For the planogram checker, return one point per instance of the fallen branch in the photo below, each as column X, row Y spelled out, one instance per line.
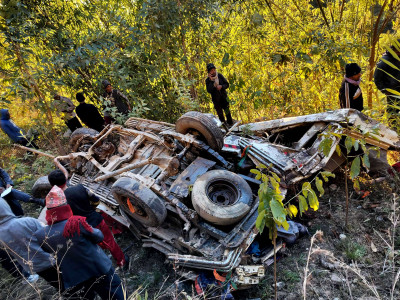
column 35, row 151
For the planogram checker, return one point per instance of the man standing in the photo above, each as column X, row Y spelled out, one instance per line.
column 66, row 107
column 216, row 85
column 14, row 196
column 387, row 77
column 89, row 114
column 350, row 94
column 13, row 131
column 117, row 100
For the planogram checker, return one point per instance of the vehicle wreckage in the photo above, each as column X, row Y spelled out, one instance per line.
column 181, row 189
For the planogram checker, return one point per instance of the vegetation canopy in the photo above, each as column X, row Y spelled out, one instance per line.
column 281, row 58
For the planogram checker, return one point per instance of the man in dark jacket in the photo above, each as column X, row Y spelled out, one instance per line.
column 83, row 203
column 388, row 78
column 14, row 196
column 116, row 99
column 350, row 94
column 84, row 266
column 16, row 239
column 13, row 131
column 216, row 85
column 89, row 114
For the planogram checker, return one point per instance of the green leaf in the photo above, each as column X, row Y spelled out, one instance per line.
column 356, row 185
column 348, row 143
column 390, row 64
column 276, row 177
column 319, row 185
column 278, row 211
column 260, row 222
column 275, row 184
column 355, row 168
column 261, row 206
column 313, row 200
column 356, row 144
column 326, row 146
column 257, row 172
column 306, row 188
column 325, row 175
column 338, row 150
column 394, row 92
column 293, row 210
column 394, row 54
column 303, row 206
column 261, row 166
column 366, row 161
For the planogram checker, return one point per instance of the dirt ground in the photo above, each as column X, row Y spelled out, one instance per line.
column 360, row 261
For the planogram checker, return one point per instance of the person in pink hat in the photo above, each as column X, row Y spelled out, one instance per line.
column 85, row 268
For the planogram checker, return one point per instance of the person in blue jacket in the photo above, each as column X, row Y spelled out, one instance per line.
column 15, row 195
column 13, row 131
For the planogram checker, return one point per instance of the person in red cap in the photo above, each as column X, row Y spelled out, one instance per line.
column 83, row 203
column 85, row 268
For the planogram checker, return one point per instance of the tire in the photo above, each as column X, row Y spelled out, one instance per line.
column 149, row 209
column 78, row 134
column 41, row 187
column 197, row 123
column 221, row 197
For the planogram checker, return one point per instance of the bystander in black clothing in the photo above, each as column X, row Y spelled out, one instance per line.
column 217, row 85
column 350, row 94
column 116, row 100
column 388, row 77
column 89, row 114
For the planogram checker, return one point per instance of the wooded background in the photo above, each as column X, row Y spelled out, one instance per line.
column 282, row 58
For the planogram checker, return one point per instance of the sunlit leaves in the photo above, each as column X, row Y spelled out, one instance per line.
column 272, row 211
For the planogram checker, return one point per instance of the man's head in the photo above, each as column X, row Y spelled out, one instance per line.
column 80, row 97
column 5, row 114
column 57, row 178
column 56, row 97
column 211, row 69
column 107, row 86
column 353, row 71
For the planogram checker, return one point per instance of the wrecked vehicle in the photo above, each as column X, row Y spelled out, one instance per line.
column 186, row 189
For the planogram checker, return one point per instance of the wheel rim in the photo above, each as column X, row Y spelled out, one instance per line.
column 222, row 192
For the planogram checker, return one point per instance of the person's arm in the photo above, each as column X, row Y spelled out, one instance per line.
column 96, row 236
column 6, row 178
column 70, row 105
column 223, row 82
column 210, row 85
column 124, row 98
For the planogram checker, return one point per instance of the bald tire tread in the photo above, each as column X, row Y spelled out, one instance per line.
column 140, row 197
column 216, row 213
column 194, row 120
column 80, row 132
column 41, row 187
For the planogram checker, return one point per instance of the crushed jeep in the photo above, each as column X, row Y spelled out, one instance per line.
column 186, row 189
